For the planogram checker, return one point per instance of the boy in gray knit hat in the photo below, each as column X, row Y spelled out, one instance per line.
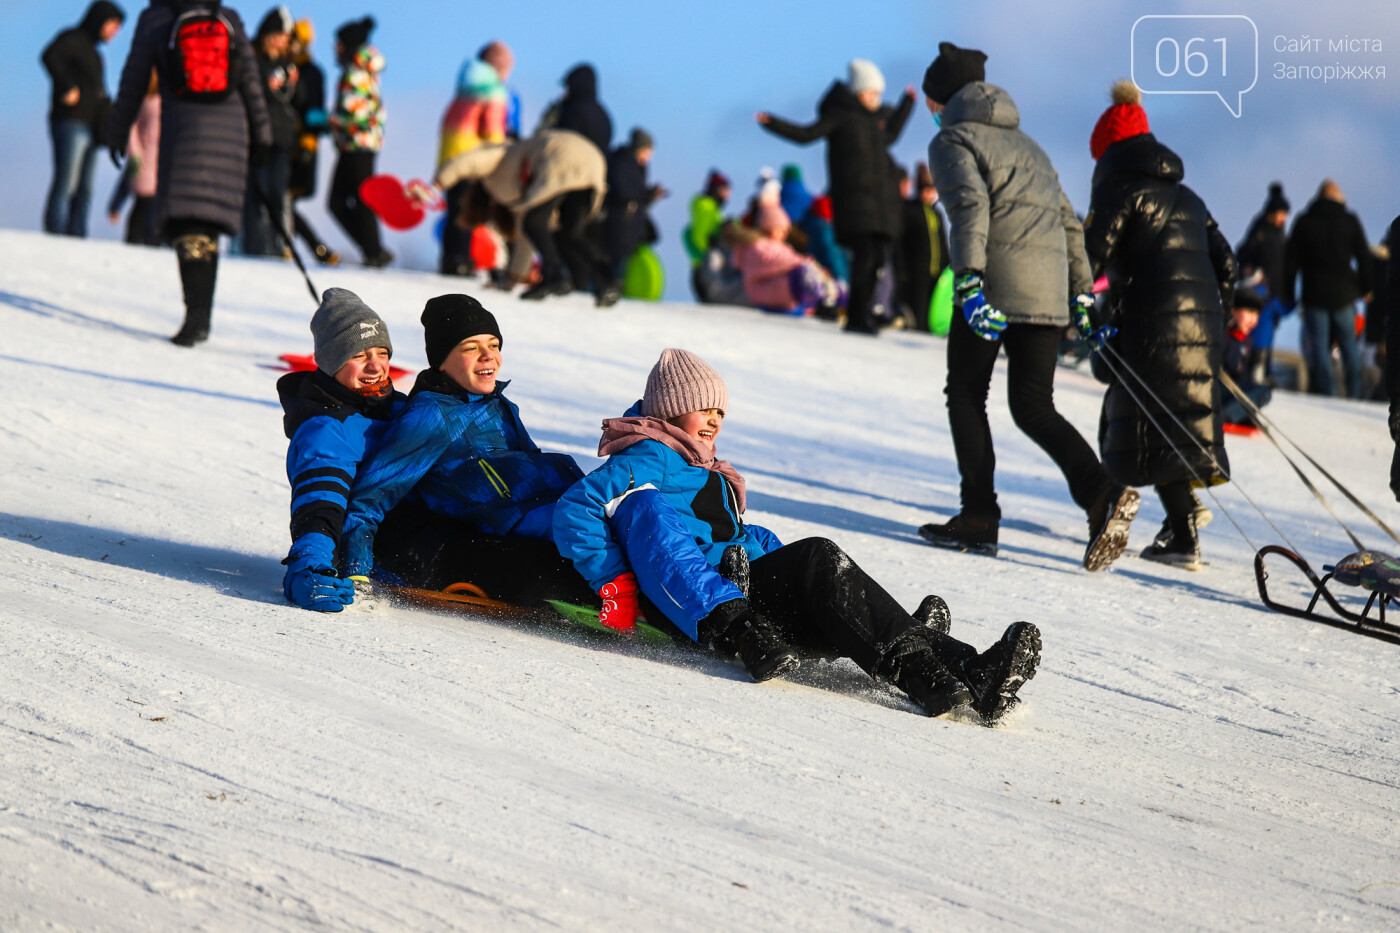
column 344, row 327
column 333, row 416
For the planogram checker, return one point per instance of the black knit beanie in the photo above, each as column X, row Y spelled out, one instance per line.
column 450, row 319
column 1276, row 201
column 353, row 35
column 952, row 70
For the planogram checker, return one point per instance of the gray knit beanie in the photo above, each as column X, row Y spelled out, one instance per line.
column 342, row 327
column 680, row 383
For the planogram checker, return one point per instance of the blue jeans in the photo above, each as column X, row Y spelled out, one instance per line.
column 1323, row 326
column 74, row 158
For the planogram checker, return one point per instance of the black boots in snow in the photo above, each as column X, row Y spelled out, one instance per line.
column 1109, row 517
column 733, row 628
column 910, row 663
column 964, row 532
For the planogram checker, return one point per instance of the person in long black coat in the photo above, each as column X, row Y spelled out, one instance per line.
column 922, row 247
column 580, row 111
column 859, row 131
column 204, row 151
column 626, row 203
column 1392, row 353
column 1168, row 268
column 77, row 115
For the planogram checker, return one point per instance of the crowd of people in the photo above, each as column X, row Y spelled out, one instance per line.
column 446, row 485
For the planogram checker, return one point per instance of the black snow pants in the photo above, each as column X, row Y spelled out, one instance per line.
column 1031, row 351
column 826, row 604
column 358, row 221
column 433, row 552
column 569, row 246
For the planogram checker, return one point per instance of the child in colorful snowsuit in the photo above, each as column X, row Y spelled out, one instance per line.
column 333, row 416
column 661, row 523
column 777, row 277
column 456, row 491
column 357, row 125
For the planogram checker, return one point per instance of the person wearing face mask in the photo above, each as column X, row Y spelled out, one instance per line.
column 1017, row 251
column 456, row 491
column 659, row 531
column 859, row 130
column 332, row 417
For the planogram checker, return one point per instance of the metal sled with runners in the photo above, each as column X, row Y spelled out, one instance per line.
column 1371, row 570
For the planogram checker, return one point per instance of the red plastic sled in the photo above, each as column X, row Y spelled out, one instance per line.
column 304, row 362
column 1243, row 430
column 389, row 199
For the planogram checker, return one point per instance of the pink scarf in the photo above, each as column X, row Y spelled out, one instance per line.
column 621, row 433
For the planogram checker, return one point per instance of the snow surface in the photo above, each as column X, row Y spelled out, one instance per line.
column 182, row 750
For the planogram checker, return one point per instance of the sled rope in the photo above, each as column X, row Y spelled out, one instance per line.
column 286, row 238
column 1269, row 428
column 1177, row 450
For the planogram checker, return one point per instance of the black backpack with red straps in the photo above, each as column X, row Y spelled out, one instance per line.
column 201, row 54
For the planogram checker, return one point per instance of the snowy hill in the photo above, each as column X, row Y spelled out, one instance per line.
column 180, row 749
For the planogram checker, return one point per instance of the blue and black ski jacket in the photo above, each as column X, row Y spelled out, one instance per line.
column 461, row 455
column 331, row 430
column 703, row 500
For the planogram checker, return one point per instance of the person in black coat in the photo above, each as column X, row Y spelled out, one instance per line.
column 204, row 149
column 923, row 247
column 310, row 104
column 1392, row 355
column 1328, row 247
column 626, row 203
column 264, row 200
column 580, row 111
column 1169, row 271
column 1263, row 256
column 859, row 131
column 77, row 115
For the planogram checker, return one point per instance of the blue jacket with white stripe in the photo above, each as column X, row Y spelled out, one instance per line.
column 331, row 430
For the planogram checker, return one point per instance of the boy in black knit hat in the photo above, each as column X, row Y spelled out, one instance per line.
column 457, row 491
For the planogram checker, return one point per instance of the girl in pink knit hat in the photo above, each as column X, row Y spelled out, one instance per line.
column 659, row 530
column 777, row 277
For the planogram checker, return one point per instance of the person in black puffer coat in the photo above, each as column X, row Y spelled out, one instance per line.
column 859, row 131
column 267, row 183
column 204, row 149
column 1169, row 270
column 580, row 111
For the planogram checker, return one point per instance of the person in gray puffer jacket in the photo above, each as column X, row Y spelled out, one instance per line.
column 1018, row 258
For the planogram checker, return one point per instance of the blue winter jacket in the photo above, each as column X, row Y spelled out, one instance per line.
column 461, row 455
column 331, row 429
column 703, row 500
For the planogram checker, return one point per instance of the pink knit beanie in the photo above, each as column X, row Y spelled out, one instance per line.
column 680, row 383
column 771, row 217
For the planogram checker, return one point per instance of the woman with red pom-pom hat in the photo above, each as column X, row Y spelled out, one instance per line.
column 1168, row 269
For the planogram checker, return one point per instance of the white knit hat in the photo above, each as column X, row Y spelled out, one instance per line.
column 680, row 383
column 864, row 76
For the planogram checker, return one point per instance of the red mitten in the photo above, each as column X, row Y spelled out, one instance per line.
column 620, row 610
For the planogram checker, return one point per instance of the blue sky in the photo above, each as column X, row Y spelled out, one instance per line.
column 695, row 73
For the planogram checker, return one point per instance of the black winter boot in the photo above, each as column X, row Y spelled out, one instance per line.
column 1177, row 545
column 1109, row 517
column 933, row 613
column 997, row 673
column 910, row 663
column 734, row 567
column 734, row 628
column 964, row 532
column 198, row 255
